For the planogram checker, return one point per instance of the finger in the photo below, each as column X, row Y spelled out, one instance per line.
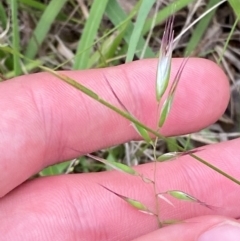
column 44, row 119
column 70, row 206
column 205, row 228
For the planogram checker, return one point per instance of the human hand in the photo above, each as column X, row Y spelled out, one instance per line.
column 44, row 120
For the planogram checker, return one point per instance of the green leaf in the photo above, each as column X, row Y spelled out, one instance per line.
column 55, row 169
column 235, row 4
column 116, row 15
column 138, row 27
column 108, row 48
column 89, row 33
column 3, row 16
column 43, row 27
column 34, row 4
column 165, row 13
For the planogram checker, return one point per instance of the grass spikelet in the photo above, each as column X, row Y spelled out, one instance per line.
column 165, row 58
column 180, row 195
column 168, row 102
column 116, row 165
column 132, row 202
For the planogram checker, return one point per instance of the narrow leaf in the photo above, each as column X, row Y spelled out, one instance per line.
column 165, row 13
column 43, row 27
column 3, row 16
column 235, row 4
column 89, row 33
column 116, row 15
column 137, row 31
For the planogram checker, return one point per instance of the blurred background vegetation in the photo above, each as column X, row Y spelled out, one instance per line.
column 82, row 34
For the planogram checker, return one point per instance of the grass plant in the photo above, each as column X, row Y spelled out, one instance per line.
column 105, row 33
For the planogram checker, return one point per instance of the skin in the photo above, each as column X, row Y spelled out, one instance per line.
column 43, row 121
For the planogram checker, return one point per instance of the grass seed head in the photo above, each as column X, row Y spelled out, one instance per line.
column 165, row 58
column 132, row 202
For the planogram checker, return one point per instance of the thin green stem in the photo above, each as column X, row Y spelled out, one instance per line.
column 154, row 183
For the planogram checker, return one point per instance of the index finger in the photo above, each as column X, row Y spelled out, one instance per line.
column 43, row 119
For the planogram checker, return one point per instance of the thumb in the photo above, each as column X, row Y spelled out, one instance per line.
column 224, row 231
column 204, row 228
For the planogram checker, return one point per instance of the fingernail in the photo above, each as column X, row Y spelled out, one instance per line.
column 222, row 232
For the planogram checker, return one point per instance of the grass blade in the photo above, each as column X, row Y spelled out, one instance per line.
column 235, row 4
column 43, row 27
column 89, row 33
column 116, row 14
column 55, row 169
column 34, row 4
column 137, row 31
column 3, row 16
column 15, row 37
column 200, row 29
column 165, row 13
